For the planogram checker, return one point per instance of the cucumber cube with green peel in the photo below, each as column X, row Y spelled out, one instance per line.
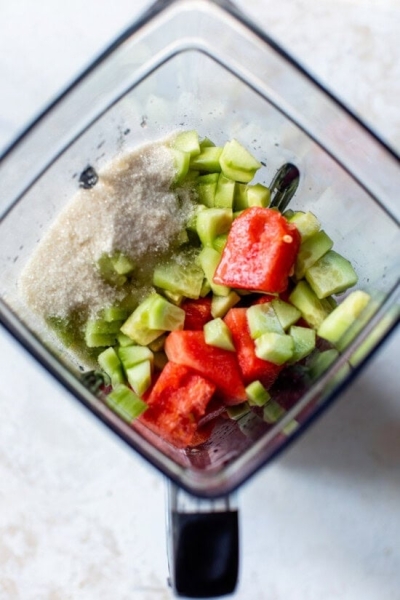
column 99, row 340
column 304, row 340
column 311, row 250
column 321, row 362
column 132, row 355
column 139, row 377
column 313, row 310
column 205, row 288
column 306, row 222
column 217, row 333
column 123, row 401
column 207, row 160
column 331, row 274
column 256, row 393
column 272, row 412
column 137, row 325
column 238, row 411
column 181, row 161
column 110, row 363
column 213, row 222
column 174, row 297
column 123, row 340
column 206, row 143
column 286, row 313
column 209, row 259
column 187, row 141
column 262, row 318
column 192, row 220
column 206, row 186
column 343, row 316
column 274, row 347
column 158, row 344
column 164, row 315
column 101, row 326
column 115, row 313
column 225, row 192
column 184, row 277
column 219, row 242
column 240, row 197
column 237, row 163
column 221, row 304
column 258, row 195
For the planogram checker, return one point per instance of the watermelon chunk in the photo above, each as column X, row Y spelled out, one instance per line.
column 198, row 313
column 252, row 367
column 260, row 252
column 176, row 403
column 220, row 366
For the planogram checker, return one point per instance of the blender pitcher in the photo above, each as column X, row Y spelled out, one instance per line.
column 200, row 64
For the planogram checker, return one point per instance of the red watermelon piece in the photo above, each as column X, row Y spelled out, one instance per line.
column 198, row 313
column 220, row 366
column 251, row 366
column 260, row 251
column 176, row 403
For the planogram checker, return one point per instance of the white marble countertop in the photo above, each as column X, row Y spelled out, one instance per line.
column 81, row 517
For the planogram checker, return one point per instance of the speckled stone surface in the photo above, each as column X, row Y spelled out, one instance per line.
column 82, row 517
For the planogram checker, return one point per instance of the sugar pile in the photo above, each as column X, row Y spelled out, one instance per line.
column 131, row 209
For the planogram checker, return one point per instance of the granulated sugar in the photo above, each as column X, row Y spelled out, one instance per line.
column 131, row 209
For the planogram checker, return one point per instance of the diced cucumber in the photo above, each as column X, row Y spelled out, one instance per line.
column 122, row 264
column 262, row 318
column 205, row 288
column 213, row 222
column 174, row 297
column 343, row 316
column 217, row 333
column 99, row 340
column 209, row 259
column 206, row 186
column 238, row 411
column 219, row 242
column 258, row 195
column 207, row 160
column 158, row 344
column 304, row 340
column 291, row 427
column 256, row 393
column 123, row 340
column 125, row 403
column 105, row 266
column 306, row 222
column 221, row 304
column 313, row 310
column 273, row 412
column 274, row 347
column 192, row 221
column 137, row 325
column 225, row 192
column 181, row 162
column 139, row 377
column 102, row 326
column 312, row 249
column 286, row 313
column 321, row 362
column 164, row 315
column 110, row 363
column 237, row 163
column 331, row 274
column 240, row 197
column 132, row 355
column 115, row 313
column 184, row 277
column 206, row 143
column 187, row 141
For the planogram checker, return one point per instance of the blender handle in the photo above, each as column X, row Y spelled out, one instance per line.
column 203, row 544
